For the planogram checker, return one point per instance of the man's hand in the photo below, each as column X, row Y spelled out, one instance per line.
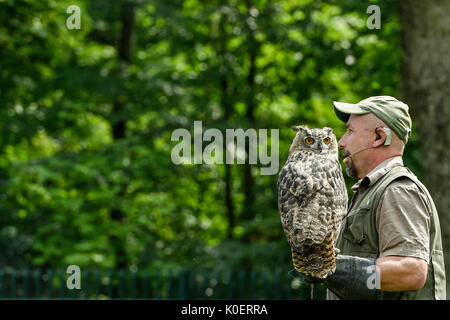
column 355, row 278
column 352, row 278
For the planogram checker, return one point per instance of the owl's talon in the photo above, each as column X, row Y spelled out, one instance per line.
column 336, row 251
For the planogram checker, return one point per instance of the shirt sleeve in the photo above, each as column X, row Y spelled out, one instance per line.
column 403, row 221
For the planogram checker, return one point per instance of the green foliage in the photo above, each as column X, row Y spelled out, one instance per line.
column 75, row 192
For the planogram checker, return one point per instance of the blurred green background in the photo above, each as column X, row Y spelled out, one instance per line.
column 86, row 175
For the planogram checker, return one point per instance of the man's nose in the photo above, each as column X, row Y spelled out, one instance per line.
column 341, row 142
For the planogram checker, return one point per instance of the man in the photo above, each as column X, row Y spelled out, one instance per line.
column 390, row 240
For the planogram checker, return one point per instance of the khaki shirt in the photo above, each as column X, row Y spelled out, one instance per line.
column 402, row 218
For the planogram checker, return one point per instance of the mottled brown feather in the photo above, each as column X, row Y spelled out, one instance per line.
column 312, row 200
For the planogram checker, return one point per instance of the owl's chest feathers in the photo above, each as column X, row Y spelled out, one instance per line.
column 317, row 171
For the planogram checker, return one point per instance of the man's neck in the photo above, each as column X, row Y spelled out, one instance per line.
column 374, row 161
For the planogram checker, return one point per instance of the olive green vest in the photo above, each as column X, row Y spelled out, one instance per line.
column 359, row 237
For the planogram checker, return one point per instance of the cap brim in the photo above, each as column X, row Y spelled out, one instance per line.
column 343, row 110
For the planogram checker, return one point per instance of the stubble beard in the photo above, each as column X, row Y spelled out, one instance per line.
column 350, row 169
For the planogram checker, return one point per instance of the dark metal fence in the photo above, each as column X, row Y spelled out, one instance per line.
column 146, row 284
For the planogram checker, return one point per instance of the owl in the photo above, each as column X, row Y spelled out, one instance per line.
column 312, row 200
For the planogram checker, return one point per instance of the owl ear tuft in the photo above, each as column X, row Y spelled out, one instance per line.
column 299, row 128
column 329, row 130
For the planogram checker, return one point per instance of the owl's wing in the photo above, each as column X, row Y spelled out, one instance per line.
column 335, row 179
column 296, row 179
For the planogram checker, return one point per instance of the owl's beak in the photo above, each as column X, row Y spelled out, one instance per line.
column 319, row 145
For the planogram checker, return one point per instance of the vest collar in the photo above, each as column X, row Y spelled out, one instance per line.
column 375, row 175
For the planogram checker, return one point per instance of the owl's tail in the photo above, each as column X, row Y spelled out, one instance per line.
column 316, row 260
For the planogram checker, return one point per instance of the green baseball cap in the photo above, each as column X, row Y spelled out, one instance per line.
column 391, row 111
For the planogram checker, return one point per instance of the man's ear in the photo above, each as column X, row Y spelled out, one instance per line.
column 380, row 137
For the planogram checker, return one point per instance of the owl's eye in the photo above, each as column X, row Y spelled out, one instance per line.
column 309, row 140
column 327, row 140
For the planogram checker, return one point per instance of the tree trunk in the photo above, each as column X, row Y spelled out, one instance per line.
column 227, row 111
column 125, row 54
column 248, row 181
column 426, row 89
column 119, row 121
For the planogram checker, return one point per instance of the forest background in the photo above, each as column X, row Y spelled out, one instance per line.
column 87, row 114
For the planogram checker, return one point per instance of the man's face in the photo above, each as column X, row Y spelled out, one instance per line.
column 355, row 139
